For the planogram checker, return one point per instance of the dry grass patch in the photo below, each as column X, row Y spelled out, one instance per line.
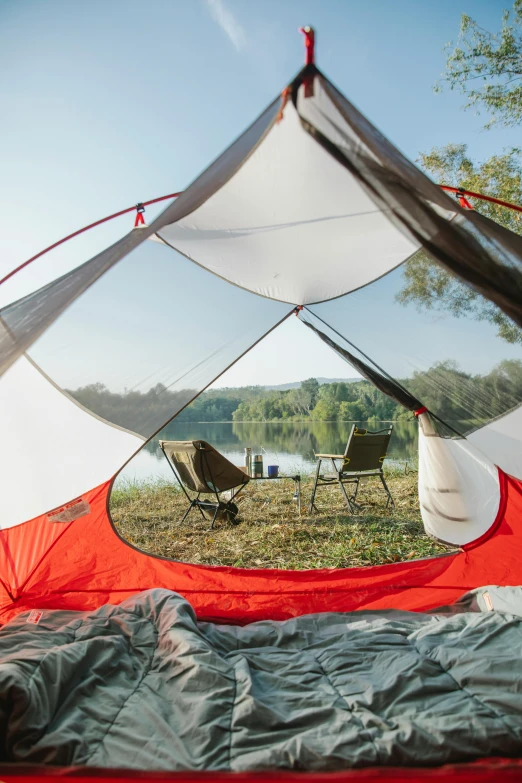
column 271, row 533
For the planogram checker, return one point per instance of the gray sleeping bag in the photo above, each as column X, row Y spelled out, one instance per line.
column 144, row 685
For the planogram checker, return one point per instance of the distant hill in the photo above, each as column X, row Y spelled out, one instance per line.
column 284, row 386
column 321, row 381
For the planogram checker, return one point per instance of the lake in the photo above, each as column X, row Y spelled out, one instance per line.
column 291, row 445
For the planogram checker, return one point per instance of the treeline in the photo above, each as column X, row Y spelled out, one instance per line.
column 454, row 395
column 144, row 412
column 140, row 412
column 451, row 393
column 339, row 401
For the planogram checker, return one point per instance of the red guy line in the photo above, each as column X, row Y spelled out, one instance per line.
column 82, row 230
column 498, row 201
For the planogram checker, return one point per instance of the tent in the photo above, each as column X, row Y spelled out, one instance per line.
column 310, row 213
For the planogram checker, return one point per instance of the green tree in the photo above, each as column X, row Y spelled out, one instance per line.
column 350, row 411
column 310, row 387
column 298, row 402
column 499, row 176
column 487, row 68
column 502, row 386
column 242, row 412
column 326, row 410
column 427, row 285
column 446, row 390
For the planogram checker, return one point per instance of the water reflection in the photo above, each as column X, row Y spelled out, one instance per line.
column 291, row 445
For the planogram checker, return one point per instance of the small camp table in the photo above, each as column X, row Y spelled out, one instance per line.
column 297, row 485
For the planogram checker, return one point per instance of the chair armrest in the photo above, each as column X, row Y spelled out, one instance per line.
column 330, row 456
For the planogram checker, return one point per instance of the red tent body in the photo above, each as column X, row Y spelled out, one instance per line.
column 84, row 564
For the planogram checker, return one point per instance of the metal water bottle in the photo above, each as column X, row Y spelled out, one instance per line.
column 248, row 461
column 257, row 466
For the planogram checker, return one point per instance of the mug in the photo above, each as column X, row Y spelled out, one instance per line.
column 272, row 471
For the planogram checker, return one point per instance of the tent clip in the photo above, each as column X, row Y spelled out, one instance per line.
column 463, row 201
column 140, row 220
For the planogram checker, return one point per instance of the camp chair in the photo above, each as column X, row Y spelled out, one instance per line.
column 201, row 469
column 364, row 456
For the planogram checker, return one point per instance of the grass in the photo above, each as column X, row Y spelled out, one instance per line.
column 271, row 533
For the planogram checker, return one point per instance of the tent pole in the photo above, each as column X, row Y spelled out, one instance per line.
column 447, row 188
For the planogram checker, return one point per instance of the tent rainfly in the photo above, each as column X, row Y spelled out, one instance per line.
column 312, row 213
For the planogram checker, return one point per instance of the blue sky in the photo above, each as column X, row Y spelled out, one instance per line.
column 108, row 102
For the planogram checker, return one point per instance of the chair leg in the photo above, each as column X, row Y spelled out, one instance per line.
column 214, row 517
column 195, row 502
column 354, row 499
column 314, row 488
column 343, row 490
column 187, row 512
column 390, row 499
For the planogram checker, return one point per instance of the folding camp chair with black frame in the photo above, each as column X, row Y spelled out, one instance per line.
column 200, row 468
column 363, row 457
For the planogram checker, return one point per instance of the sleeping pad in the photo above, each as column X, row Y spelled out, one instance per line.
column 144, row 685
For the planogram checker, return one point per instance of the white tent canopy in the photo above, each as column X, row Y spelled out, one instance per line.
column 290, row 211
column 310, row 204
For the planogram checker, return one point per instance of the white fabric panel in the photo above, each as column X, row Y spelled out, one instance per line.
column 501, row 442
column 459, row 490
column 292, row 224
column 53, row 450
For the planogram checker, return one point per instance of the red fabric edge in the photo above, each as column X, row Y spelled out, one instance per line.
column 90, row 565
column 483, row 771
